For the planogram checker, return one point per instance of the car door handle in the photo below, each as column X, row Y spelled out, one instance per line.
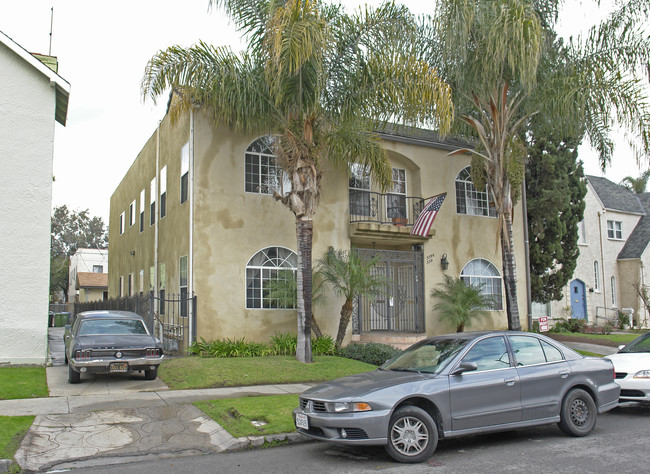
column 510, row 382
column 564, row 374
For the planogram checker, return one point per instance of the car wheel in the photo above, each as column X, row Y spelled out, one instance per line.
column 578, row 414
column 73, row 376
column 412, row 435
column 151, row 374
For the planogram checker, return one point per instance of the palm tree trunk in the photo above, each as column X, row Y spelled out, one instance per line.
column 510, row 273
column 304, row 234
column 315, row 328
column 346, row 314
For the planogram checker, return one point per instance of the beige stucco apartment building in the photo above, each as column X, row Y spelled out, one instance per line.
column 193, row 215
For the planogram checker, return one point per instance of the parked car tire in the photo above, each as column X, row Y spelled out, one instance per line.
column 73, row 375
column 412, row 435
column 151, row 374
column 578, row 413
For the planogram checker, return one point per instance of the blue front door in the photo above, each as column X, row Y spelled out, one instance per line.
column 578, row 301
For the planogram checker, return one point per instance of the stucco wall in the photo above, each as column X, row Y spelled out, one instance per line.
column 27, row 104
column 231, row 225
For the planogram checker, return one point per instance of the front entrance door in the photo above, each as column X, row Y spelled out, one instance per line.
column 401, row 308
column 578, row 300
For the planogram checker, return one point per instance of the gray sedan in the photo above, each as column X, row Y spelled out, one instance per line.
column 110, row 342
column 460, row 384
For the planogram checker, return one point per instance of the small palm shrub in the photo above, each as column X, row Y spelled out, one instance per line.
column 461, row 304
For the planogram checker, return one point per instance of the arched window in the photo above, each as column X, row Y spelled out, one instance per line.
column 482, row 274
column 263, row 173
column 471, row 201
column 269, row 264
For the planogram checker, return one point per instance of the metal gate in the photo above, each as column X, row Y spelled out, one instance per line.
column 172, row 320
column 401, row 308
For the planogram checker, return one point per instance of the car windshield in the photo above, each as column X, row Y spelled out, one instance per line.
column 430, row 356
column 118, row 327
column 640, row 344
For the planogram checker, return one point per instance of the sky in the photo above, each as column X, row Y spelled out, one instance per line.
column 103, row 48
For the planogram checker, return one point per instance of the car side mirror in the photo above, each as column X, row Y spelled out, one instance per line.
column 465, row 367
column 621, row 347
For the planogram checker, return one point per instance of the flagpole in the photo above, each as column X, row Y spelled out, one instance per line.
column 435, row 196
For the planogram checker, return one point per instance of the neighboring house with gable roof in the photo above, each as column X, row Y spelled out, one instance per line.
column 88, row 275
column 613, row 261
column 194, row 215
column 32, row 98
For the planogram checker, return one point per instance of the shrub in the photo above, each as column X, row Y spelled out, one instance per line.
column 284, row 343
column 371, row 352
column 622, row 320
column 571, row 325
column 323, row 345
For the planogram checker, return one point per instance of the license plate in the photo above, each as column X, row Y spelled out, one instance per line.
column 302, row 421
column 119, row 367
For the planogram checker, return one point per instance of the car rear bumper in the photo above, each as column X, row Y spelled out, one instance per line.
column 103, row 365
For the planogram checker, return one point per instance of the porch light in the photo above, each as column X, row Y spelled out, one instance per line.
column 444, row 263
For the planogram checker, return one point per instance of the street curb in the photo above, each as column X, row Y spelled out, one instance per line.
column 252, row 442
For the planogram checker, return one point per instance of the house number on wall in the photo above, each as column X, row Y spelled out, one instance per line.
column 430, row 258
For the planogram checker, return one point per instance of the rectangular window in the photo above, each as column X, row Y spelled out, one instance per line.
column 614, row 291
column 359, row 191
column 582, row 235
column 615, row 230
column 98, row 268
column 161, row 302
column 596, row 279
column 183, row 285
column 152, row 193
column 396, row 200
column 185, row 171
column 121, row 223
column 161, row 292
column 163, row 192
column 130, row 285
column 121, row 287
column 142, row 211
column 152, row 277
column 264, row 175
column 141, row 282
column 132, row 213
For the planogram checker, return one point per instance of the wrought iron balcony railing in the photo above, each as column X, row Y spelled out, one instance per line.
column 367, row 206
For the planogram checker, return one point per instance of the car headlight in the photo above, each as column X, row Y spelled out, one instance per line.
column 642, row 374
column 347, row 407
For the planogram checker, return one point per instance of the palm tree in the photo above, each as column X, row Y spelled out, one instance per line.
column 636, row 185
column 497, row 58
column 320, row 80
column 461, row 304
column 350, row 276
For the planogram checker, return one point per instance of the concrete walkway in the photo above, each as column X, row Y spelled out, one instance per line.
column 111, row 420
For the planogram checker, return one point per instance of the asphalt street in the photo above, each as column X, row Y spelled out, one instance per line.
column 618, row 444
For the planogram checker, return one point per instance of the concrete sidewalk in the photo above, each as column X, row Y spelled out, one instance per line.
column 92, row 430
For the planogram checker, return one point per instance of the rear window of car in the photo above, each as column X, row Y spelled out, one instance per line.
column 117, row 327
column 531, row 351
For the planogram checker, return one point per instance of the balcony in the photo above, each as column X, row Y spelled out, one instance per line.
column 376, row 216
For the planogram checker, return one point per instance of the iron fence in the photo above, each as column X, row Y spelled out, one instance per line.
column 367, row 206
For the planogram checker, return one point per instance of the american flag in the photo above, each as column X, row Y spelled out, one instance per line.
column 428, row 214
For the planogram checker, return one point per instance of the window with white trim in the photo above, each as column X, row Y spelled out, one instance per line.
column 615, row 230
column 182, row 264
column 185, row 172
column 359, row 190
column 142, row 200
column 271, row 263
column 132, row 213
column 121, row 223
column 163, row 192
column 596, row 278
column 141, row 282
column 396, row 200
column 121, row 287
column 263, row 173
column 471, row 201
column 480, row 273
column 152, row 209
column 613, row 283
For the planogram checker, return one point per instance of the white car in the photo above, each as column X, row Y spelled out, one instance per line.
column 632, row 367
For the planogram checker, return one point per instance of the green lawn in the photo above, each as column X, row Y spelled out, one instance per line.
column 22, row 382
column 271, row 413
column 12, row 431
column 198, row 372
column 607, row 339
